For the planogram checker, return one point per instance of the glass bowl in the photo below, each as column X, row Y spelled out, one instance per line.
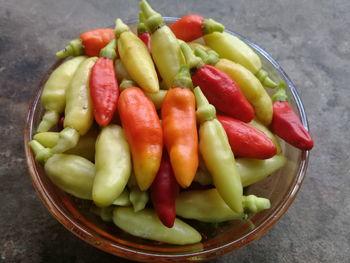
column 74, row 214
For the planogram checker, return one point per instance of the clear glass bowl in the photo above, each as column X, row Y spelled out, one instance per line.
column 281, row 188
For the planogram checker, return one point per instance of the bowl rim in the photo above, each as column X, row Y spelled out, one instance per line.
column 104, row 244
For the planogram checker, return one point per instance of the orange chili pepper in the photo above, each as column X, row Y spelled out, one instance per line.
column 143, row 132
column 180, row 129
column 95, row 40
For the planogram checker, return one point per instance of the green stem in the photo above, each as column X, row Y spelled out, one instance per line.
column 141, row 28
column 109, row 51
column 68, row 139
column 191, row 60
column 153, row 20
column 49, row 120
column 281, row 94
column 41, row 153
column 262, row 75
column 74, row 48
column 120, row 27
column 205, row 111
column 183, row 78
column 210, row 25
column 209, row 57
column 254, row 204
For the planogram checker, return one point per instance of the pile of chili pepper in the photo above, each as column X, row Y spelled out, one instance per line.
column 149, row 116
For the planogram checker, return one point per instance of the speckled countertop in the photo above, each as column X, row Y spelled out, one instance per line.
column 310, row 40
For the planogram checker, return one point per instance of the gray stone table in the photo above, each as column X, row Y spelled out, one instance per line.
column 311, row 41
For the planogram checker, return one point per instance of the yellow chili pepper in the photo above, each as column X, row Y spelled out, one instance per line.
column 136, row 58
column 166, row 50
column 53, row 97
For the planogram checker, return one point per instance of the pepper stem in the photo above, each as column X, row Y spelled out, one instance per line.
column 262, row 75
column 126, row 83
column 210, row 25
column 153, row 20
column 209, row 57
column 141, row 28
column 183, row 78
column 281, row 94
column 49, row 119
column 191, row 60
column 120, row 27
column 254, row 204
column 74, row 48
column 205, row 111
column 68, row 139
column 41, row 153
column 109, row 51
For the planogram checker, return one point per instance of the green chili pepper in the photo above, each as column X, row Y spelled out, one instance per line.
column 146, row 224
column 208, row 206
column 123, row 199
column 254, row 170
column 78, row 113
column 138, row 198
column 113, row 165
column 106, row 213
column 166, row 50
column 71, row 173
column 217, row 154
column 121, row 71
column 84, row 148
column 53, row 97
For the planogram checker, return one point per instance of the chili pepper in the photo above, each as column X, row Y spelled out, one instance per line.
column 165, row 47
column 247, row 141
column 231, row 47
column 208, row 206
column 191, row 27
column 89, row 43
column 136, row 58
column 84, row 148
column 143, row 132
column 254, row 170
column 53, row 97
column 195, row 45
column 104, row 90
column 142, row 32
column 78, row 112
column 164, row 191
column 217, row 154
column 123, row 199
column 71, row 173
column 113, row 165
column 146, row 224
column 286, row 124
column 218, row 87
column 138, row 198
column 106, row 213
column 247, row 82
column 256, row 124
column 180, row 128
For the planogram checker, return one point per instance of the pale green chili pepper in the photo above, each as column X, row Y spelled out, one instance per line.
column 106, row 213
column 71, row 173
column 84, row 148
column 123, row 199
column 53, row 97
column 166, row 50
column 113, row 165
column 78, row 112
column 138, row 198
column 146, row 224
column 217, row 154
column 254, row 170
column 208, row 206
column 121, row 71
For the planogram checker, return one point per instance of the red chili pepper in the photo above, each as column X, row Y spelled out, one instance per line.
column 164, row 191
column 247, row 141
column 286, row 124
column 104, row 89
column 218, row 87
column 191, row 27
column 95, row 40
